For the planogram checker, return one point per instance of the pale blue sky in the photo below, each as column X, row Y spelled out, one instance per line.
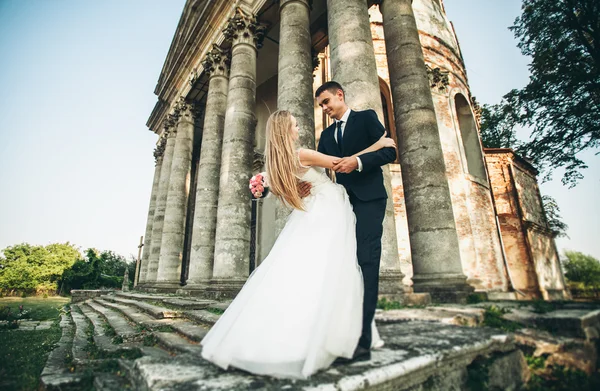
column 76, row 88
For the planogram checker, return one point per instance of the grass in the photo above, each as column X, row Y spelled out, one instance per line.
column 216, row 311
column 493, row 317
column 39, row 308
column 23, row 354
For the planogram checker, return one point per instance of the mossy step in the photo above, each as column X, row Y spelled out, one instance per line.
column 118, row 323
column 156, row 311
column 176, row 343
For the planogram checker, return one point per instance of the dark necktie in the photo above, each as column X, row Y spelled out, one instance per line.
column 339, row 136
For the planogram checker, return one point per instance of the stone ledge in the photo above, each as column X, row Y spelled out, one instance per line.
column 416, row 353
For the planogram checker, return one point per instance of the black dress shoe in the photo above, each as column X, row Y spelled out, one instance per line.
column 360, row 354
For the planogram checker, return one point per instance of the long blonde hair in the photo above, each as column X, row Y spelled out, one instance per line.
column 281, row 159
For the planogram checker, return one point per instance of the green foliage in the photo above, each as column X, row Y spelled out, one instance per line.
column 535, row 363
column 33, row 269
column 97, row 270
column 216, row 311
column 558, row 378
column 493, row 317
column 498, row 127
column 475, row 298
column 582, row 268
column 386, row 305
column 543, row 307
column 561, row 102
column 553, row 217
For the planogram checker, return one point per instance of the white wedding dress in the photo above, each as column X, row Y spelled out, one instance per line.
column 302, row 307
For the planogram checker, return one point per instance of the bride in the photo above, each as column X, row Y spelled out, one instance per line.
column 302, row 307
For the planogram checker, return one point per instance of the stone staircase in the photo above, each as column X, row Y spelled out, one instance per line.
column 123, row 340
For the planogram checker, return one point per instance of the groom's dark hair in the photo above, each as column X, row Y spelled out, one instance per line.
column 331, row 86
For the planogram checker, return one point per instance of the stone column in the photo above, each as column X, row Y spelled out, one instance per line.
column 171, row 249
column 232, row 239
column 353, row 65
column 216, row 66
column 433, row 238
column 161, row 200
column 294, row 79
column 158, row 156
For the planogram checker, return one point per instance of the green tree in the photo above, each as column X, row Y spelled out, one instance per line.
column 561, row 102
column 97, row 270
column 30, row 268
column 582, row 268
column 552, row 211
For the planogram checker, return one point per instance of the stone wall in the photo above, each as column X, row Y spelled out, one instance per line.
column 528, row 243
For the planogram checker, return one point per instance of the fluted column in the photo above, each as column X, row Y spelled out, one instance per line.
column 161, row 200
column 294, row 79
column 202, row 252
column 171, row 248
column 353, row 65
column 232, row 239
column 432, row 229
column 158, row 156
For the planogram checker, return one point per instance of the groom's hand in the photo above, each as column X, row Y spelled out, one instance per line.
column 345, row 165
column 304, row 189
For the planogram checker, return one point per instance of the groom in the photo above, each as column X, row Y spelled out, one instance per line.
column 352, row 132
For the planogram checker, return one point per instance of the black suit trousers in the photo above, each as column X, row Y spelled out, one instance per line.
column 369, row 228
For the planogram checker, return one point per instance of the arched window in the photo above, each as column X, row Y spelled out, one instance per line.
column 470, row 137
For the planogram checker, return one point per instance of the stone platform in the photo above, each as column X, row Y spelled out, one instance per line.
column 151, row 342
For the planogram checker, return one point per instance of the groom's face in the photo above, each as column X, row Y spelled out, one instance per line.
column 332, row 104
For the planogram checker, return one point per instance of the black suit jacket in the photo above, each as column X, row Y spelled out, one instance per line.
column 362, row 130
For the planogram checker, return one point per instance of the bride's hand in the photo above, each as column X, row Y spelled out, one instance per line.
column 386, row 142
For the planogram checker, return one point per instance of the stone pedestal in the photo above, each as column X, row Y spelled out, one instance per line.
column 207, row 189
column 158, row 155
column 232, row 239
column 171, row 250
column 433, row 239
column 161, row 202
column 353, row 65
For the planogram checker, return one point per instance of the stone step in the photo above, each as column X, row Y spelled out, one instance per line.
column 100, row 325
column 573, row 323
column 182, row 326
column 183, row 303
column 417, row 356
column 56, row 374
column 202, row 316
column 80, row 340
column 175, row 343
column 142, row 296
column 156, row 311
column 189, row 304
column 118, row 323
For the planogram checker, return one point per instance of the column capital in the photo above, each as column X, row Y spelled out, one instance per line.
column 217, row 62
column 160, row 149
column 244, row 28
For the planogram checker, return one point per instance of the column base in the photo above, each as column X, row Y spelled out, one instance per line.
column 196, row 289
column 163, row 287
column 391, row 286
column 443, row 287
column 224, row 289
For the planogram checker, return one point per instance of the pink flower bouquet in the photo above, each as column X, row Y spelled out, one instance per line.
column 258, row 186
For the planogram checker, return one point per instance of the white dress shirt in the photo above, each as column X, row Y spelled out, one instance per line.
column 344, row 120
